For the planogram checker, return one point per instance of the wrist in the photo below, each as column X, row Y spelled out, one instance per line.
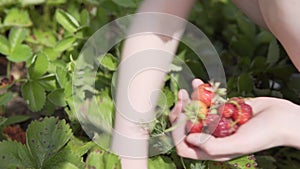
column 291, row 134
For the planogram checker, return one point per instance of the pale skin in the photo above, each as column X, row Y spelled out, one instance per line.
column 141, row 86
column 278, row 16
column 276, row 121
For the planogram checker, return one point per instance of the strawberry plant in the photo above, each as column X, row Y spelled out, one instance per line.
column 40, row 44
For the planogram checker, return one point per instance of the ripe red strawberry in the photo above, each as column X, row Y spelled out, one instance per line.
column 237, row 100
column 211, row 118
column 204, row 94
column 227, row 110
column 225, row 128
column 245, row 114
column 211, row 122
column 194, row 127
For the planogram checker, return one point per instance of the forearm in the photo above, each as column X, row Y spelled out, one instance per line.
column 282, row 18
column 146, row 57
column 252, row 10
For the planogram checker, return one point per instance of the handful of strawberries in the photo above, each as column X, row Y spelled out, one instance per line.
column 210, row 113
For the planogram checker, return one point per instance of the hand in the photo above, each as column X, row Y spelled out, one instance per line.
column 275, row 123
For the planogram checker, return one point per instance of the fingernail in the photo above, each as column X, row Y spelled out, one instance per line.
column 196, row 82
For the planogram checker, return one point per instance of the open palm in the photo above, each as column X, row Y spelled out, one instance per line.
column 274, row 124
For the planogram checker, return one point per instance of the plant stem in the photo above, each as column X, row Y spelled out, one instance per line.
column 8, row 68
column 175, row 126
column 46, row 13
column 182, row 162
column 20, row 80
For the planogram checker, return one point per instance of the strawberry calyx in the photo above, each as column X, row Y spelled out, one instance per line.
column 195, row 111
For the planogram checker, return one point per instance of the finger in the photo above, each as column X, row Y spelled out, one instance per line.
column 177, row 109
column 195, row 95
column 179, row 133
column 196, row 83
column 227, row 146
column 235, row 144
column 183, row 97
column 192, row 152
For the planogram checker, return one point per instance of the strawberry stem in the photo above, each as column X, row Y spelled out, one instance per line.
column 175, row 126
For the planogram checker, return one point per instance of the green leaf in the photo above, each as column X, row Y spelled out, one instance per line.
column 16, row 119
column 2, row 120
column 57, row 97
column 99, row 159
column 48, row 109
column 5, row 98
column 277, row 94
column 262, row 92
column 103, row 112
column 220, row 165
column 4, row 45
column 198, row 165
column 51, row 53
column 39, row 67
column 66, row 156
column 293, row 84
column 66, row 20
column 161, row 162
column 243, row 46
column 47, row 84
column 17, row 17
column 109, row 62
column 264, row 37
column 246, row 26
column 64, row 44
column 45, row 138
column 55, row 2
column 245, row 83
column 64, row 165
column 7, row 2
column 266, row 162
column 21, row 53
column 31, row 2
column 258, row 64
column 34, row 94
column 125, row 3
column 283, row 72
column 166, row 98
column 273, row 52
column 247, row 161
column 85, row 18
column 62, row 77
column 80, row 147
column 16, row 37
column 14, row 155
column 45, row 37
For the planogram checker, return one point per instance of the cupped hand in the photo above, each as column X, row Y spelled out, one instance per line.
column 275, row 123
